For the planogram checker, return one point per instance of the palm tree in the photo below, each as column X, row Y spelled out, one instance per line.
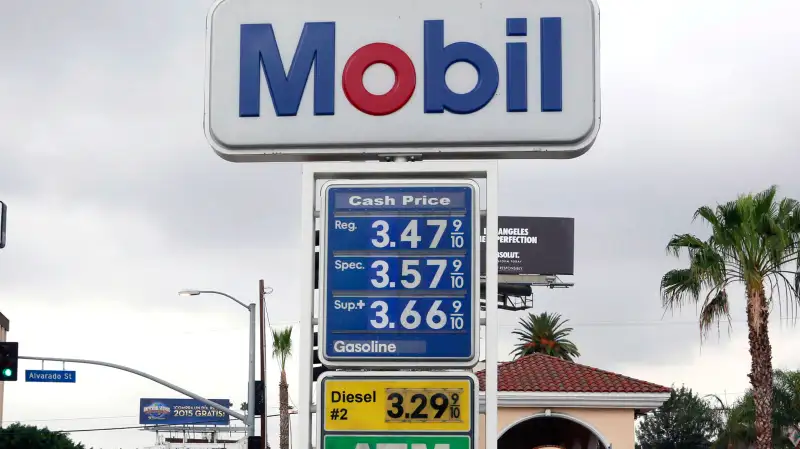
column 739, row 430
column 753, row 240
column 281, row 350
column 544, row 334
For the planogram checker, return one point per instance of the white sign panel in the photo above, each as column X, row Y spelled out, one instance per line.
column 352, row 79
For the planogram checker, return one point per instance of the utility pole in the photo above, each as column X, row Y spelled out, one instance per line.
column 261, row 294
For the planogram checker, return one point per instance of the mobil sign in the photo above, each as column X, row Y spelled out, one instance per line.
column 356, row 79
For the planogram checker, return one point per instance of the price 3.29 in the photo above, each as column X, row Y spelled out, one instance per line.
column 423, row 405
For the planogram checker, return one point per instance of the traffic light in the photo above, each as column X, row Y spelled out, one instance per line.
column 254, row 442
column 260, row 398
column 9, row 359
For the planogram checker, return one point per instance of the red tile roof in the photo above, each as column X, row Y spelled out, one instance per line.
column 544, row 373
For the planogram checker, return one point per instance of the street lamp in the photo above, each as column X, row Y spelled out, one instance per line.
column 251, row 384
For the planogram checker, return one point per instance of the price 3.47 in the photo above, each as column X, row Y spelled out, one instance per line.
column 412, row 237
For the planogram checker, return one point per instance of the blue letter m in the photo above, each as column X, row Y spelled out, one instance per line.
column 260, row 49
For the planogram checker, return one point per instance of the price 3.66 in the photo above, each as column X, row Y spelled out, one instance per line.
column 435, row 317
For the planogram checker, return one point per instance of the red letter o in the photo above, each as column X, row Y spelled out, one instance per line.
column 405, row 79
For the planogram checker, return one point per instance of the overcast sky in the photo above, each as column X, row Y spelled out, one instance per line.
column 116, row 201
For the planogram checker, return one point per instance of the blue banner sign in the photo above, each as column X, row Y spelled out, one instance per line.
column 52, row 376
column 182, row 412
column 398, row 278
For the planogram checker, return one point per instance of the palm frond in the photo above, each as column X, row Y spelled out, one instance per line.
column 708, row 214
column 680, row 242
column 679, row 287
column 282, row 345
column 764, row 201
column 715, row 309
column 544, row 333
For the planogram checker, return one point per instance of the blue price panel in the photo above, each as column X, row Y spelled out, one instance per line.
column 399, row 273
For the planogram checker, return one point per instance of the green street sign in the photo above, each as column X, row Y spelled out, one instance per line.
column 409, row 441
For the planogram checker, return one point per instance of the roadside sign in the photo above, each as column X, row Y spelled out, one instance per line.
column 466, row 79
column 397, row 442
column 398, row 404
column 397, row 407
column 398, row 273
column 51, row 376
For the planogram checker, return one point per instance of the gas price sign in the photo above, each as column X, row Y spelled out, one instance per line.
column 442, row 403
column 399, row 279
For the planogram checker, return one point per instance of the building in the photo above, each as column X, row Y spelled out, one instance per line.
column 544, row 400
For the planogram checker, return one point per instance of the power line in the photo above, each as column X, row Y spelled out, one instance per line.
column 101, row 429
column 73, row 419
column 266, row 311
column 86, row 418
column 648, row 322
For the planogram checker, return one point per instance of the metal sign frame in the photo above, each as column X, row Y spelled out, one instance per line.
column 311, row 174
column 379, row 362
column 473, row 432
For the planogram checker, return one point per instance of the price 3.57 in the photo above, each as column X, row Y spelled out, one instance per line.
column 411, row 273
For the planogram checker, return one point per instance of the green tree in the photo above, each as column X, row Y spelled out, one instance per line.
column 684, row 421
column 739, row 428
column 754, row 241
column 281, row 351
column 544, row 334
column 17, row 436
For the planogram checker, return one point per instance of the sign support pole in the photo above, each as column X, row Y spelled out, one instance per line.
column 311, row 173
column 308, row 206
column 492, row 322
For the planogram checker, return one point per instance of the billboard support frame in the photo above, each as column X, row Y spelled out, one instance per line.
column 400, row 168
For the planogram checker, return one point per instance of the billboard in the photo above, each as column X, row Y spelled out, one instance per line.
column 532, row 245
column 161, row 411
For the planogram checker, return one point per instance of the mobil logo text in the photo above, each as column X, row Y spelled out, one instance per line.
column 425, row 70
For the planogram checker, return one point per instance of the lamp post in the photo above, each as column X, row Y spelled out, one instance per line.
column 251, row 384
